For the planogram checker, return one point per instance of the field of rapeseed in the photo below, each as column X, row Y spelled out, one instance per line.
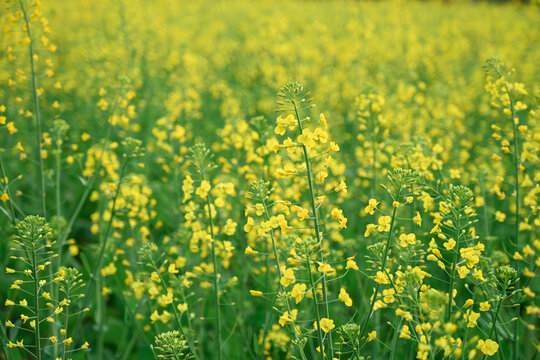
column 269, row 180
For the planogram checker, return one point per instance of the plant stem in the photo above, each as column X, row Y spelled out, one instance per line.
column 317, row 232
column 516, row 228
column 314, row 294
column 501, row 298
column 8, row 192
column 453, row 270
column 177, row 318
column 274, row 248
column 66, row 322
column 395, row 339
column 216, row 274
column 36, row 108
column 37, row 333
column 109, row 226
column 383, row 267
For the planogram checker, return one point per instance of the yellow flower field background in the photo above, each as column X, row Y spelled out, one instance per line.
column 269, row 180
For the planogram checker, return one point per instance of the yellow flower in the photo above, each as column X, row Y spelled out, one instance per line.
column 67, row 341
column 405, row 333
column 372, row 205
column 303, row 214
column 463, row 271
column 326, row 324
column 417, row 219
column 202, row 190
column 334, row 146
column 471, row 317
column 298, row 292
column 370, row 229
column 407, row 239
column 372, row 336
column 488, row 347
column 381, row 278
column 324, row 267
column 344, row 297
column 250, row 251
column 500, row 216
column 288, row 277
column 255, row 293
column 450, row 244
column 351, row 264
column 384, row 223
column 287, row 318
column 484, row 306
column 341, row 187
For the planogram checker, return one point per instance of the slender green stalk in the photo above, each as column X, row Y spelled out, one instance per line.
column 395, row 339
column 314, row 294
column 177, row 318
column 383, row 266
column 37, row 333
column 108, row 230
column 37, row 116
column 278, row 265
column 216, row 274
column 493, row 325
column 485, row 213
column 453, row 271
column 317, row 231
column 8, row 191
column 66, row 323
column 374, row 155
column 4, row 340
column 58, row 225
column 516, row 227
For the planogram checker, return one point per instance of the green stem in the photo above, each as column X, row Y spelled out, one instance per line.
column 374, row 155
column 495, row 317
column 314, row 294
column 274, row 248
column 216, row 274
column 4, row 340
column 37, row 333
column 317, row 232
column 66, row 322
column 453, row 270
column 8, row 192
column 177, row 318
column 58, row 227
column 395, row 339
column 383, row 268
column 516, row 228
column 109, row 226
column 36, row 108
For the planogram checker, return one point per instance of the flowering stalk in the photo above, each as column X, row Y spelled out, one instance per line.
column 261, row 190
column 36, row 108
column 317, row 312
column 8, row 191
column 199, row 155
column 309, row 176
column 147, row 253
column 381, row 268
